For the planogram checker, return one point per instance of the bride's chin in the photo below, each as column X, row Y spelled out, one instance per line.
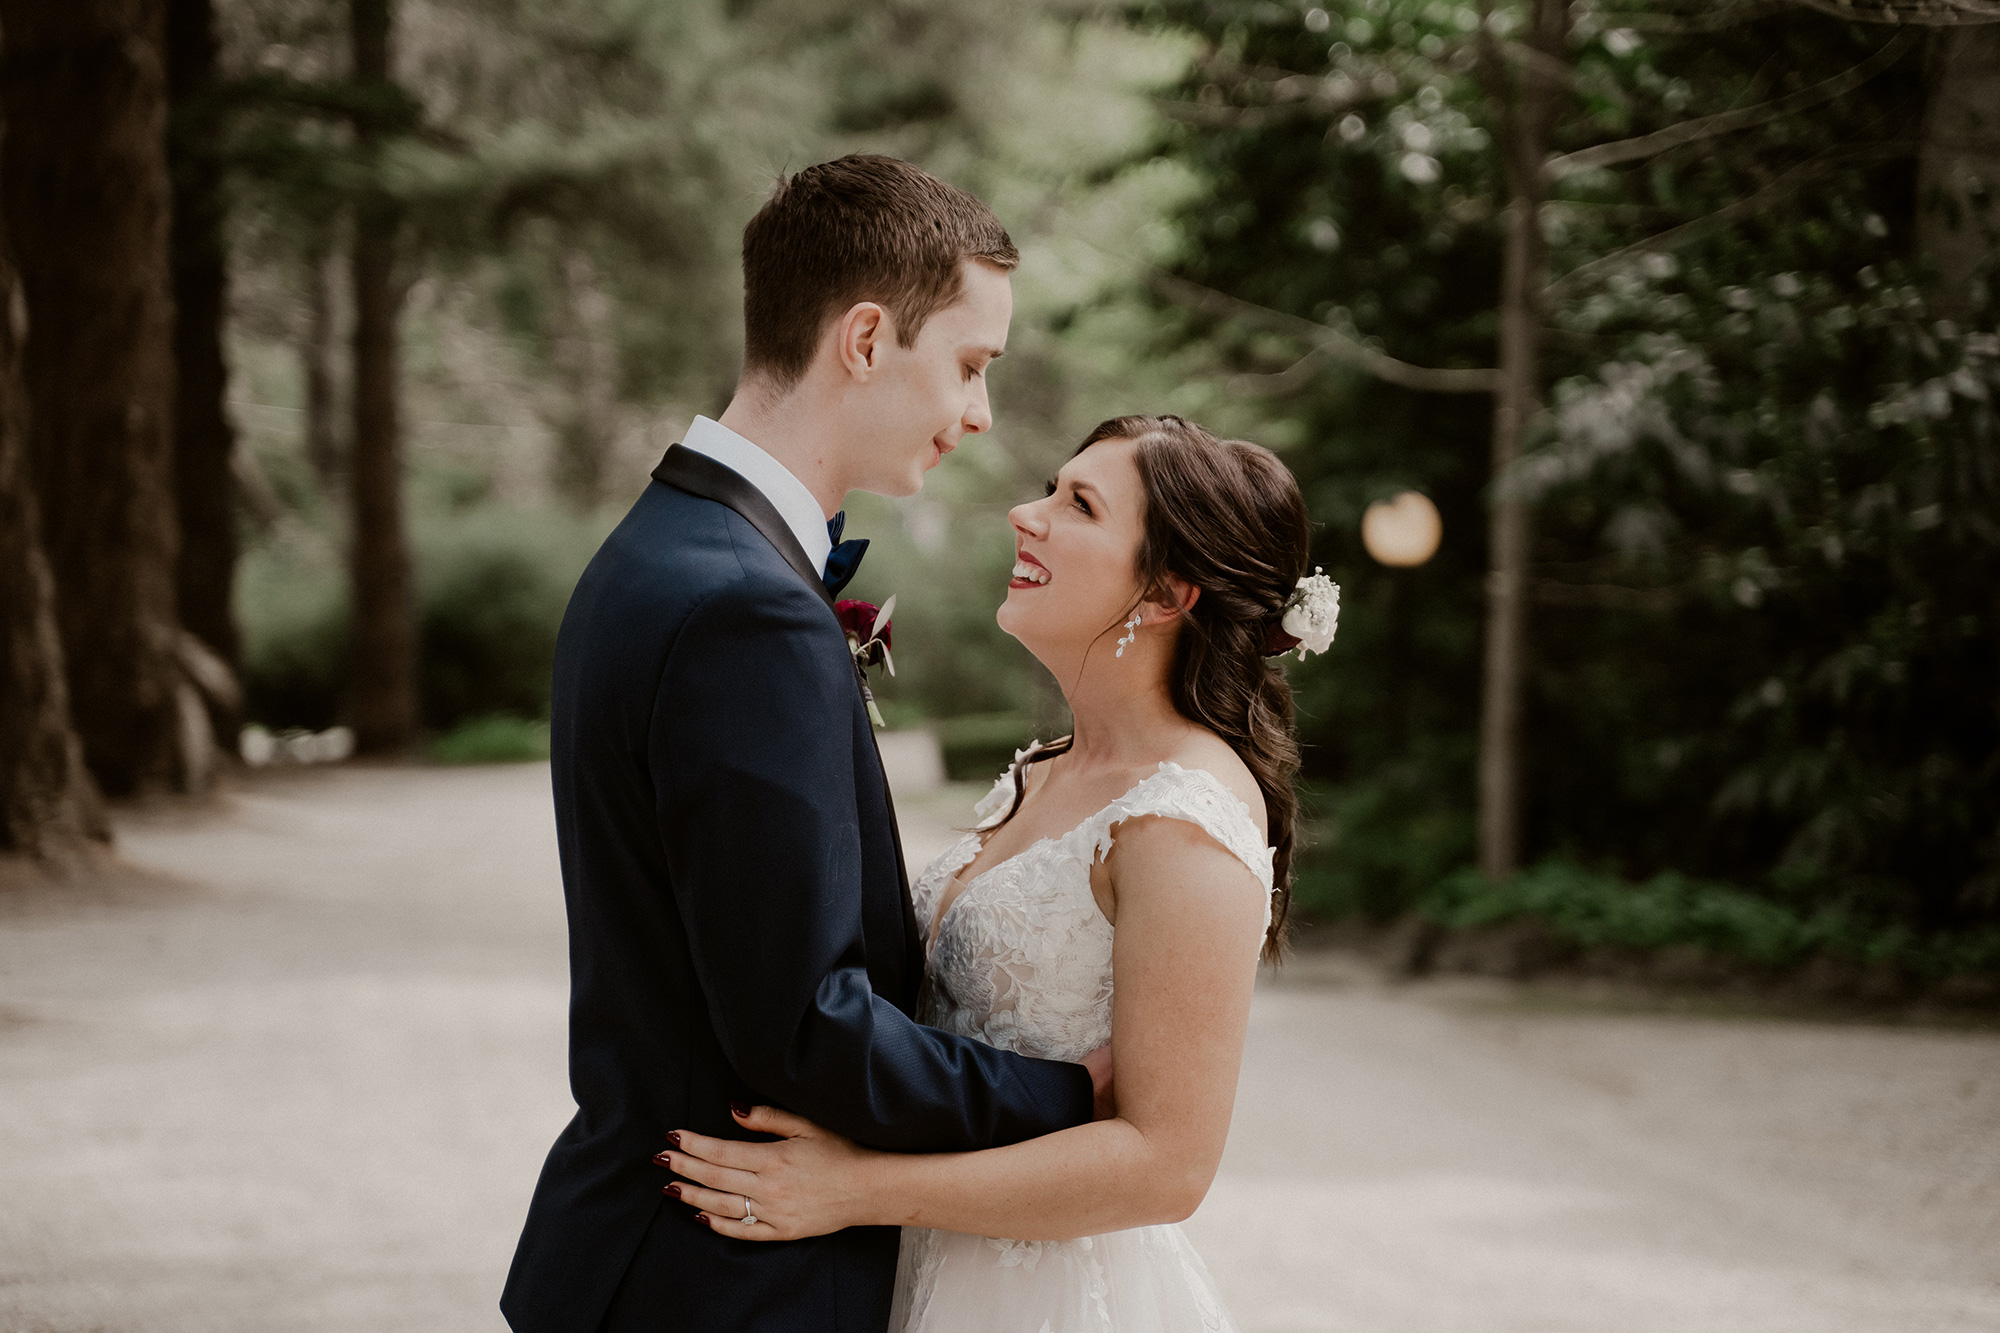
column 1021, row 628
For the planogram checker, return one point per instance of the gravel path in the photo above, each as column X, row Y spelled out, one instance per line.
column 301, row 1078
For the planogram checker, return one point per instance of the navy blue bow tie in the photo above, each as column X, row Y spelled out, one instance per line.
column 845, row 557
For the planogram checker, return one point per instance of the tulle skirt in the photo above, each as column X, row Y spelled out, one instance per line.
column 1147, row 1280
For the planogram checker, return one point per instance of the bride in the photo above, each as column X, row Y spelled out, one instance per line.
column 1119, row 887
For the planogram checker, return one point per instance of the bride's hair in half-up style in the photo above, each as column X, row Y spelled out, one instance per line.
column 1227, row 517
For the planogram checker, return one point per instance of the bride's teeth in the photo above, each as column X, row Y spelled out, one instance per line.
column 1030, row 573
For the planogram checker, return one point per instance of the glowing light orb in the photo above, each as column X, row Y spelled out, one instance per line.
column 1402, row 532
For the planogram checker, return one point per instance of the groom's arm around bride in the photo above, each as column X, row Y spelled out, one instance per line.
column 740, row 928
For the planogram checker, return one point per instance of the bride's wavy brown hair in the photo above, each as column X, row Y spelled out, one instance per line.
column 1227, row 517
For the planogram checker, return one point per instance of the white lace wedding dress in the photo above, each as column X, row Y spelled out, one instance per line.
column 1022, row 961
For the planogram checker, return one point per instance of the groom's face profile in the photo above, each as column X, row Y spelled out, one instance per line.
column 875, row 297
column 912, row 405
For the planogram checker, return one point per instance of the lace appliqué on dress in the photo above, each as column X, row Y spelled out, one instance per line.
column 1021, row 959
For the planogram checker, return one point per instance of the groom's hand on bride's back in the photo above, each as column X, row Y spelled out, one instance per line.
column 1104, row 1097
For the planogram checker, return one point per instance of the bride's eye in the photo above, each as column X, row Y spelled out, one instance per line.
column 1052, row 487
column 1084, row 505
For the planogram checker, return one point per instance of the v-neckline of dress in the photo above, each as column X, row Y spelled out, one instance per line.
column 945, row 907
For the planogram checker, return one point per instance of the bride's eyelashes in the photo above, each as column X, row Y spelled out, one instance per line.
column 1075, row 499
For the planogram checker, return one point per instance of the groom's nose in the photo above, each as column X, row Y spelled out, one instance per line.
column 978, row 414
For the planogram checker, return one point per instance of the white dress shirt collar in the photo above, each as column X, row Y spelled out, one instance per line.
column 787, row 494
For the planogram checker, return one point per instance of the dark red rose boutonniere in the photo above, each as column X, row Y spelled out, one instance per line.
column 867, row 631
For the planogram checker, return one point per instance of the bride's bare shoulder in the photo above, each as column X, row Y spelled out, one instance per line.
column 1206, row 750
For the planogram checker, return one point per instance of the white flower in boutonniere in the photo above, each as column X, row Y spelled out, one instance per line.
column 867, row 631
column 1311, row 615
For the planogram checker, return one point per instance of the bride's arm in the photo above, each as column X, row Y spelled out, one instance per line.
column 1184, row 959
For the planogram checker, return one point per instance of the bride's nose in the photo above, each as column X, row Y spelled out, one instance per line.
column 1027, row 520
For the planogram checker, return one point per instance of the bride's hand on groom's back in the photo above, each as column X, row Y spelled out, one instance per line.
column 811, row 1182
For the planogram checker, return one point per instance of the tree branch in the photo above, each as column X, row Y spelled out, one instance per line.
column 1714, row 20
column 1289, row 380
column 1728, row 122
column 1913, row 13
column 1555, row 72
column 1334, row 343
column 1804, row 174
column 1905, row 13
column 1208, row 115
column 1604, row 596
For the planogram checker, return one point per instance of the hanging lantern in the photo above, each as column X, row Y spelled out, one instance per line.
column 1402, row 532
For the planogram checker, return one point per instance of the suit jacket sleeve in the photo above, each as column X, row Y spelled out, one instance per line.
column 752, row 753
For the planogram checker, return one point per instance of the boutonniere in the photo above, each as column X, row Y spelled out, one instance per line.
column 867, row 631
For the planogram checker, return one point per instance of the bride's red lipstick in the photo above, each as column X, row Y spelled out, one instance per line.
column 1022, row 557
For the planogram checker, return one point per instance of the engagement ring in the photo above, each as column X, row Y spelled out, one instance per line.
column 749, row 1218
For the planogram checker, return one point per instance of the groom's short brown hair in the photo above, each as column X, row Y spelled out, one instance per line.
column 861, row 228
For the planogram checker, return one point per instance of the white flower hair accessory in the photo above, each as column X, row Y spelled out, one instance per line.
column 1310, row 618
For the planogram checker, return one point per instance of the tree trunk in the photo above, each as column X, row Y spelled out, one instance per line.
column 317, row 357
column 1531, row 99
column 1958, row 167
column 586, row 356
column 384, row 671
column 85, row 195
column 48, row 805
column 203, row 439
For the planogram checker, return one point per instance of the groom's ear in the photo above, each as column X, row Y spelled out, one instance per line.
column 859, row 336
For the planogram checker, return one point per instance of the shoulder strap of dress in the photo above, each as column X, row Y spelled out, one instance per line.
column 1194, row 795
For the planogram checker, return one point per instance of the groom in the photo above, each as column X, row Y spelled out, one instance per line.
column 739, row 922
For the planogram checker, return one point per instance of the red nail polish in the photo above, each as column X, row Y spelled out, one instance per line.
column 701, row 1218
column 674, row 1191
column 675, row 1138
column 741, row 1108
column 663, row 1159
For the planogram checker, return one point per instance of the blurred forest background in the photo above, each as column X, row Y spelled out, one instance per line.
column 340, row 333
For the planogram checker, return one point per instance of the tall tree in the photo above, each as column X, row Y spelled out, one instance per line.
column 1959, row 164
column 1526, row 85
column 585, row 357
column 86, row 198
column 1739, row 360
column 384, row 645
column 48, row 805
column 316, row 365
column 203, row 438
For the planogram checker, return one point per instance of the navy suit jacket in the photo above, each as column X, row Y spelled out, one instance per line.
column 740, row 928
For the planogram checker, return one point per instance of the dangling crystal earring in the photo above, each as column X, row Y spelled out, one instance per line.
column 1131, row 634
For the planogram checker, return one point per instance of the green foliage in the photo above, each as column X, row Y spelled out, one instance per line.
column 1593, row 911
column 574, row 186
column 1816, row 481
column 492, row 583
column 492, row 586
column 1372, row 847
column 497, row 739
column 978, row 747
column 1764, row 638
column 292, row 606
column 1764, row 634
column 1347, row 177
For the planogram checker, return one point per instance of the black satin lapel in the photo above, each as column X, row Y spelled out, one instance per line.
column 913, row 934
column 698, row 474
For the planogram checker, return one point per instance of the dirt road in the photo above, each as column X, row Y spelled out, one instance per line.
column 305, row 1079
